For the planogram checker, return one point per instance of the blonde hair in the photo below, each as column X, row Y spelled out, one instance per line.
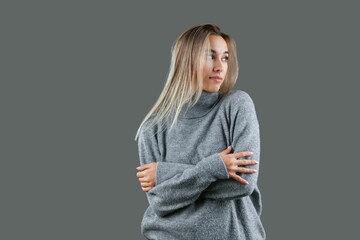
column 185, row 78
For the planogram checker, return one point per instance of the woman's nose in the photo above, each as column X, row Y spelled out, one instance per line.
column 218, row 67
column 218, row 64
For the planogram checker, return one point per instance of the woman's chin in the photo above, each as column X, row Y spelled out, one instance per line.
column 213, row 88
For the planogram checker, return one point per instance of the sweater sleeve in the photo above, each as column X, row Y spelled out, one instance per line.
column 174, row 192
column 167, row 170
column 246, row 137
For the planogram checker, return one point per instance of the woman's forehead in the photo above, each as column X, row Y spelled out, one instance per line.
column 216, row 52
column 218, row 45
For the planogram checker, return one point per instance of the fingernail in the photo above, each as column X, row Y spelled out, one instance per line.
column 137, row 167
column 251, row 153
column 256, row 161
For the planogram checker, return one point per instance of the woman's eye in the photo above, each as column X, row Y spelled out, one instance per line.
column 211, row 57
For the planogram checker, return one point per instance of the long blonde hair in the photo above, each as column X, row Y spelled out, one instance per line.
column 185, row 78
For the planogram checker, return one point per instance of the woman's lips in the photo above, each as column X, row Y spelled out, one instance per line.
column 216, row 79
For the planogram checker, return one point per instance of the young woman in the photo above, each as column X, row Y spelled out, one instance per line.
column 195, row 144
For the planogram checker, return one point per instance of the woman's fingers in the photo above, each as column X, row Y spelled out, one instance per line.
column 143, row 179
column 146, row 189
column 144, row 166
column 246, row 170
column 146, row 184
column 246, row 162
column 242, row 154
column 147, row 175
column 238, row 178
column 234, row 169
column 140, row 174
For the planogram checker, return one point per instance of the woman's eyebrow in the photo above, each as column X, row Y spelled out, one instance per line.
column 213, row 51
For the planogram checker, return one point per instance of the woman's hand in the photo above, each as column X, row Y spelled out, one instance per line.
column 231, row 162
column 147, row 176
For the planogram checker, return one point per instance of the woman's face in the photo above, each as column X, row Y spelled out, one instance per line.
column 215, row 69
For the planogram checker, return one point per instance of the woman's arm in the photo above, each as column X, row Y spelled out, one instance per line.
column 163, row 171
column 209, row 178
column 155, row 173
column 246, row 137
column 183, row 188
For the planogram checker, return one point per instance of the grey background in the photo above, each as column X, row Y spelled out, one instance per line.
column 78, row 77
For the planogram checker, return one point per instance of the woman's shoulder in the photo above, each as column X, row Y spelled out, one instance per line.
column 151, row 127
column 237, row 98
column 148, row 127
column 238, row 103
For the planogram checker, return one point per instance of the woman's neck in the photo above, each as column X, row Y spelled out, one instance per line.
column 205, row 103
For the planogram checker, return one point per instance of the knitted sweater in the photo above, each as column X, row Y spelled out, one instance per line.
column 194, row 197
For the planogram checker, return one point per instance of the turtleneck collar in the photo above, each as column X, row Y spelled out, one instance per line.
column 206, row 102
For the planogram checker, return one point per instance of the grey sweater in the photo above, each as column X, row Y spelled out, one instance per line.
column 194, row 198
